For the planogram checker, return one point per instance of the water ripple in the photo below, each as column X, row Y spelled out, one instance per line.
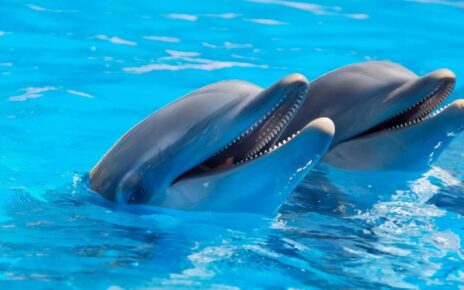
column 186, row 17
column 338, row 230
column 162, row 38
column 116, row 40
column 31, row 93
column 314, row 8
column 190, row 61
column 457, row 4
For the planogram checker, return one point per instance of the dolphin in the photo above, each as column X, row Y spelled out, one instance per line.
column 216, row 149
column 386, row 116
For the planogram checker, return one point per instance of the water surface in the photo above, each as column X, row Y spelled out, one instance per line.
column 75, row 75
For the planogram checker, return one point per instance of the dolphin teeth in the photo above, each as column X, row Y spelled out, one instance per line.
column 265, row 137
column 428, row 105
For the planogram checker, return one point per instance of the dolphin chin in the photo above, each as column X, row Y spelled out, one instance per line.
column 368, row 102
column 260, row 185
column 225, row 127
column 414, row 147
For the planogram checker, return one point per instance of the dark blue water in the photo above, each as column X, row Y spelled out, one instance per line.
column 75, row 75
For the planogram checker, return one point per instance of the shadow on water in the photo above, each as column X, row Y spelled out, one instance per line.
column 332, row 191
column 388, row 222
column 450, row 198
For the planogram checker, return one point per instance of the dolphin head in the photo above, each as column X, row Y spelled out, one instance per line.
column 209, row 131
column 361, row 96
column 370, row 99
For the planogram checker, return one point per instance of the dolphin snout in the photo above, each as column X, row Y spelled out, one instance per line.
column 292, row 79
column 324, row 125
column 458, row 104
column 441, row 74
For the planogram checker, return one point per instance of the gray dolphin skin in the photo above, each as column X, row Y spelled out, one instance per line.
column 386, row 117
column 216, row 149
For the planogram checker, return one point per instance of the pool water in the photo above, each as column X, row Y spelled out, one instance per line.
column 75, row 75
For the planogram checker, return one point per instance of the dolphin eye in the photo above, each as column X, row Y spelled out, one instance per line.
column 139, row 195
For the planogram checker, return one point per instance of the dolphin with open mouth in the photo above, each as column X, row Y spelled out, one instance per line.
column 216, row 149
column 386, row 117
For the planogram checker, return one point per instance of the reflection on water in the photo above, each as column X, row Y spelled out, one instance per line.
column 76, row 75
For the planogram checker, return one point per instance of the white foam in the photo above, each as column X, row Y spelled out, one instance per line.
column 116, row 40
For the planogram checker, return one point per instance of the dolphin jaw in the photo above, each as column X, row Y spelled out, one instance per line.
column 269, row 132
column 274, row 130
column 458, row 104
column 324, row 125
column 267, row 151
column 420, row 111
column 284, row 120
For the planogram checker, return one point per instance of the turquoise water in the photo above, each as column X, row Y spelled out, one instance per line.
column 75, row 75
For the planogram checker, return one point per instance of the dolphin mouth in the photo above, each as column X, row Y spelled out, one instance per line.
column 425, row 108
column 260, row 138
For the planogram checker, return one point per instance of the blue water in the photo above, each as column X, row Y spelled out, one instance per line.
column 75, row 75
